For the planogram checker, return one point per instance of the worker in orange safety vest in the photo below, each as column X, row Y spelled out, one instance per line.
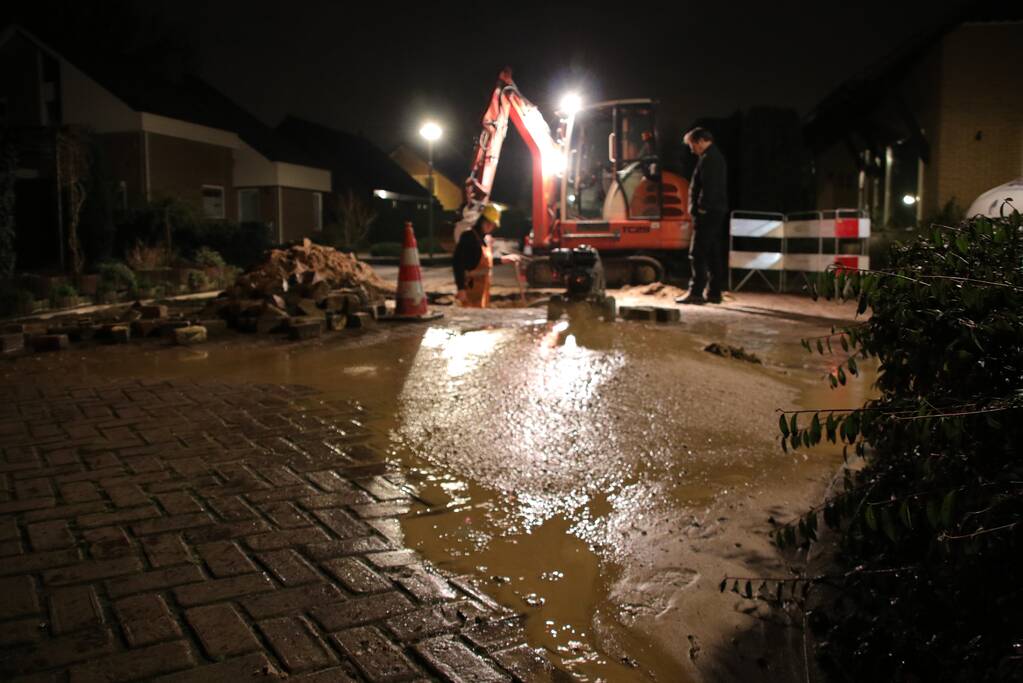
column 473, row 261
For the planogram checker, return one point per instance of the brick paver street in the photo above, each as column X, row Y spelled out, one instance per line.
column 173, row 531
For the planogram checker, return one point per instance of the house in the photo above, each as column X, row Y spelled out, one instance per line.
column 359, row 166
column 447, row 191
column 941, row 120
column 161, row 139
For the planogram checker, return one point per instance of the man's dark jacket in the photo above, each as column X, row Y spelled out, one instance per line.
column 708, row 190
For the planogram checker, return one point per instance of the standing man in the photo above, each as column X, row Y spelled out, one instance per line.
column 708, row 205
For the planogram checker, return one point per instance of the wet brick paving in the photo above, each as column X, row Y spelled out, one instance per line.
column 180, row 531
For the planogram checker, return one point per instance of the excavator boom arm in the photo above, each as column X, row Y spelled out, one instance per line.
column 506, row 102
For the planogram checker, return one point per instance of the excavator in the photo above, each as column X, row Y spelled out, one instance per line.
column 597, row 182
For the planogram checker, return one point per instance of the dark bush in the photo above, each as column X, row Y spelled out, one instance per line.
column 930, row 530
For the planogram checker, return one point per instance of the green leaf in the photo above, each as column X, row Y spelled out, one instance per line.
column 845, row 343
column 962, row 244
column 749, row 590
column 793, row 426
column 947, row 508
column 870, row 517
column 815, row 428
column 853, row 368
column 724, row 584
column 905, row 515
column 841, row 375
column 933, row 513
column 783, row 425
column 820, row 347
column 889, row 525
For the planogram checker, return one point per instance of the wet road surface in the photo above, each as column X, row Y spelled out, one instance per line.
column 567, row 466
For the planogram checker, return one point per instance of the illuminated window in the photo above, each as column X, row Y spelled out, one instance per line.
column 212, row 201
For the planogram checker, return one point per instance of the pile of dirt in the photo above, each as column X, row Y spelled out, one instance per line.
column 302, row 281
column 307, row 265
column 656, row 289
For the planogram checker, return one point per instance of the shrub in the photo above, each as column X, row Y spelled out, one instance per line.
column 197, row 281
column 60, row 293
column 930, row 530
column 205, row 257
column 145, row 257
column 115, row 276
column 15, row 301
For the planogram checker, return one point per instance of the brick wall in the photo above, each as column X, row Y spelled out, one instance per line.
column 179, row 168
column 124, row 160
column 298, row 209
column 980, row 113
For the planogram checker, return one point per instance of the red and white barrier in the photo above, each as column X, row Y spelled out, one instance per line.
column 828, row 228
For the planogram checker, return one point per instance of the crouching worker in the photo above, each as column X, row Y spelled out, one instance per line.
column 474, row 260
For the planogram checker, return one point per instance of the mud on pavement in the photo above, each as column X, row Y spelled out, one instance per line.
column 599, row 480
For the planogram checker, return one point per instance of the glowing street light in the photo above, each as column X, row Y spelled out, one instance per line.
column 908, row 199
column 431, row 132
column 570, row 104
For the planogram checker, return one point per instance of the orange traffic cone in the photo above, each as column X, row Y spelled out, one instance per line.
column 410, row 302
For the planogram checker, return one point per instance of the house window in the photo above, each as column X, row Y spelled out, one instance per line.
column 213, row 201
column 317, row 211
column 248, row 206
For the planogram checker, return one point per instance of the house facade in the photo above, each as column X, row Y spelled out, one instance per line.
column 177, row 140
column 939, row 122
column 447, row 191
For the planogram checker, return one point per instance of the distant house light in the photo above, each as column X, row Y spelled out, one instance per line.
column 908, row 199
column 397, row 196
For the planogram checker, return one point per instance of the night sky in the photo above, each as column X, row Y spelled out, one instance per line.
column 383, row 69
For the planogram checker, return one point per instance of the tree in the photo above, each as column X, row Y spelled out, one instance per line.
column 8, row 178
column 73, row 164
column 356, row 219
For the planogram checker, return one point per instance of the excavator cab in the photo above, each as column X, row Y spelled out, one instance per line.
column 614, row 193
column 613, row 168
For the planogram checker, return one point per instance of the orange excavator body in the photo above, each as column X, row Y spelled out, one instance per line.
column 599, row 182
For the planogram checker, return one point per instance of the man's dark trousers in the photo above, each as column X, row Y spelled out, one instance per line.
column 707, row 253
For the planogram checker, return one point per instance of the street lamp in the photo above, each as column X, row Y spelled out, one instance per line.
column 431, row 132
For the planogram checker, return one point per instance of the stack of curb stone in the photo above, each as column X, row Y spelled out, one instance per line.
column 113, row 326
column 299, row 286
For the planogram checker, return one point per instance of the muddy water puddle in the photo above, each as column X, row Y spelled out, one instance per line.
column 545, row 454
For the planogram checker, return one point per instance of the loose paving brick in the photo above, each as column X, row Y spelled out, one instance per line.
column 17, row 597
column 192, row 522
column 146, row 619
column 74, row 608
column 297, row 644
column 165, row 550
column 376, row 656
column 222, row 631
column 223, row 589
column 95, row 570
column 455, row 662
column 256, row 668
column 288, row 567
column 225, row 559
column 292, row 600
column 356, row 576
column 153, row 581
column 143, row 663
column 50, row 535
column 338, row 616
